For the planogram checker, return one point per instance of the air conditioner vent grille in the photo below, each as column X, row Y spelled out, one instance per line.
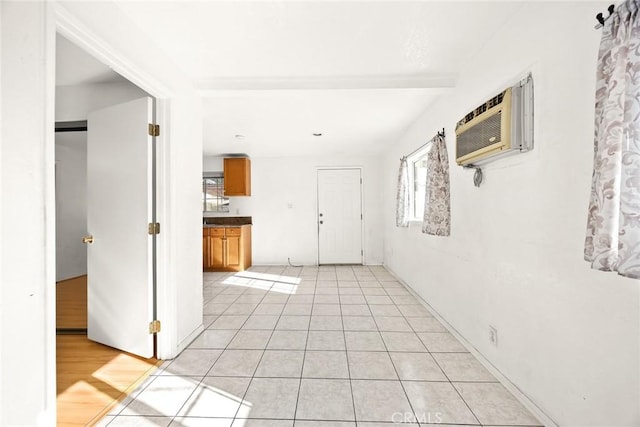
column 482, row 135
column 492, row 103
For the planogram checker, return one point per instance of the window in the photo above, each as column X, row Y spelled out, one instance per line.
column 417, row 164
column 213, row 199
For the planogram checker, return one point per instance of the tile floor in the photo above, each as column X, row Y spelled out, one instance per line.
column 319, row 347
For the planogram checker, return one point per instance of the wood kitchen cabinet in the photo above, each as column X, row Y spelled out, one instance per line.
column 226, row 248
column 212, row 248
column 237, row 176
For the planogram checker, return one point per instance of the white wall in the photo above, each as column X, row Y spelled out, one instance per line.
column 71, row 204
column 27, row 245
column 182, row 219
column 280, row 232
column 568, row 336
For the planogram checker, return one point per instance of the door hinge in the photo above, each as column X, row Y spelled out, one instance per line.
column 361, row 217
column 154, row 130
column 154, row 327
column 154, row 228
column 361, row 252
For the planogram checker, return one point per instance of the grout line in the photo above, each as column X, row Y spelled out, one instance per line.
column 346, row 353
column 261, row 357
column 514, row 390
column 304, row 353
column 266, row 346
column 457, row 392
column 368, row 308
column 223, row 351
column 415, row 416
column 358, row 281
column 434, row 359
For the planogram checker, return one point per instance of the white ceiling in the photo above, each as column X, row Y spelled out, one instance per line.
column 279, row 71
column 249, row 40
column 276, row 123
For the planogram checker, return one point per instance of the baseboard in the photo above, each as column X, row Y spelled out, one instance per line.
column 189, row 339
column 517, row 393
column 313, row 264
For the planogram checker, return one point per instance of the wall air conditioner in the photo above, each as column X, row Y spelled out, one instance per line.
column 503, row 125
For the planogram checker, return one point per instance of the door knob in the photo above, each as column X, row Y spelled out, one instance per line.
column 321, row 222
column 87, row 239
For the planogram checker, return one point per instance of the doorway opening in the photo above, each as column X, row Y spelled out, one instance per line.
column 105, row 200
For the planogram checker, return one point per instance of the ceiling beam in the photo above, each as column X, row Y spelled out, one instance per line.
column 214, row 86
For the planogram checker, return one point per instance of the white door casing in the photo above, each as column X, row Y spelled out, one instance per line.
column 340, row 216
column 119, row 209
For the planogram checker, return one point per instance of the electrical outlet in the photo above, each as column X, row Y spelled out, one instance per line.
column 493, row 335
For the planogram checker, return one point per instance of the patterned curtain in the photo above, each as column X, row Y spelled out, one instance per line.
column 613, row 226
column 437, row 206
column 402, row 195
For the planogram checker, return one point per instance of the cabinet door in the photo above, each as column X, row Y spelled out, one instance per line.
column 234, row 254
column 217, row 249
column 237, row 176
column 205, row 249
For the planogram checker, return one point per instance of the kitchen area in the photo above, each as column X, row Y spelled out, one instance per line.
column 226, row 240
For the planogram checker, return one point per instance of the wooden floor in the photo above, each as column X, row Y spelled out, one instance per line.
column 71, row 303
column 92, row 378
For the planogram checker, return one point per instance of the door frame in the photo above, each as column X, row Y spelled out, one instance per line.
column 72, row 29
column 363, row 257
column 29, row 30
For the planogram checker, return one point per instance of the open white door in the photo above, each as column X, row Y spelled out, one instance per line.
column 119, row 210
column 339, row 216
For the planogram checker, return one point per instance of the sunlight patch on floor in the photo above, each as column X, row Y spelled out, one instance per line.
column 204, row 399
column 84, row 388
column 118, row 372
column 264, row 281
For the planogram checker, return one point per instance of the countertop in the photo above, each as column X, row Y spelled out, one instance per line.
column 226, row 221
column 225, row 225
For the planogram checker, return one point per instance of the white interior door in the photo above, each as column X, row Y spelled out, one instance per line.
column 339, row 216
column 119, row 209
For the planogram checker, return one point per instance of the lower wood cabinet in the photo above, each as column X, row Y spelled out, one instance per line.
column 226, row 248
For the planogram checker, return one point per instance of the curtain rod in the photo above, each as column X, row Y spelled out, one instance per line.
column 423, row 145
column 600, row 18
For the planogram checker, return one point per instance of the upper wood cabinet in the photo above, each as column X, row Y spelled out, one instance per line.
column 237, row 176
